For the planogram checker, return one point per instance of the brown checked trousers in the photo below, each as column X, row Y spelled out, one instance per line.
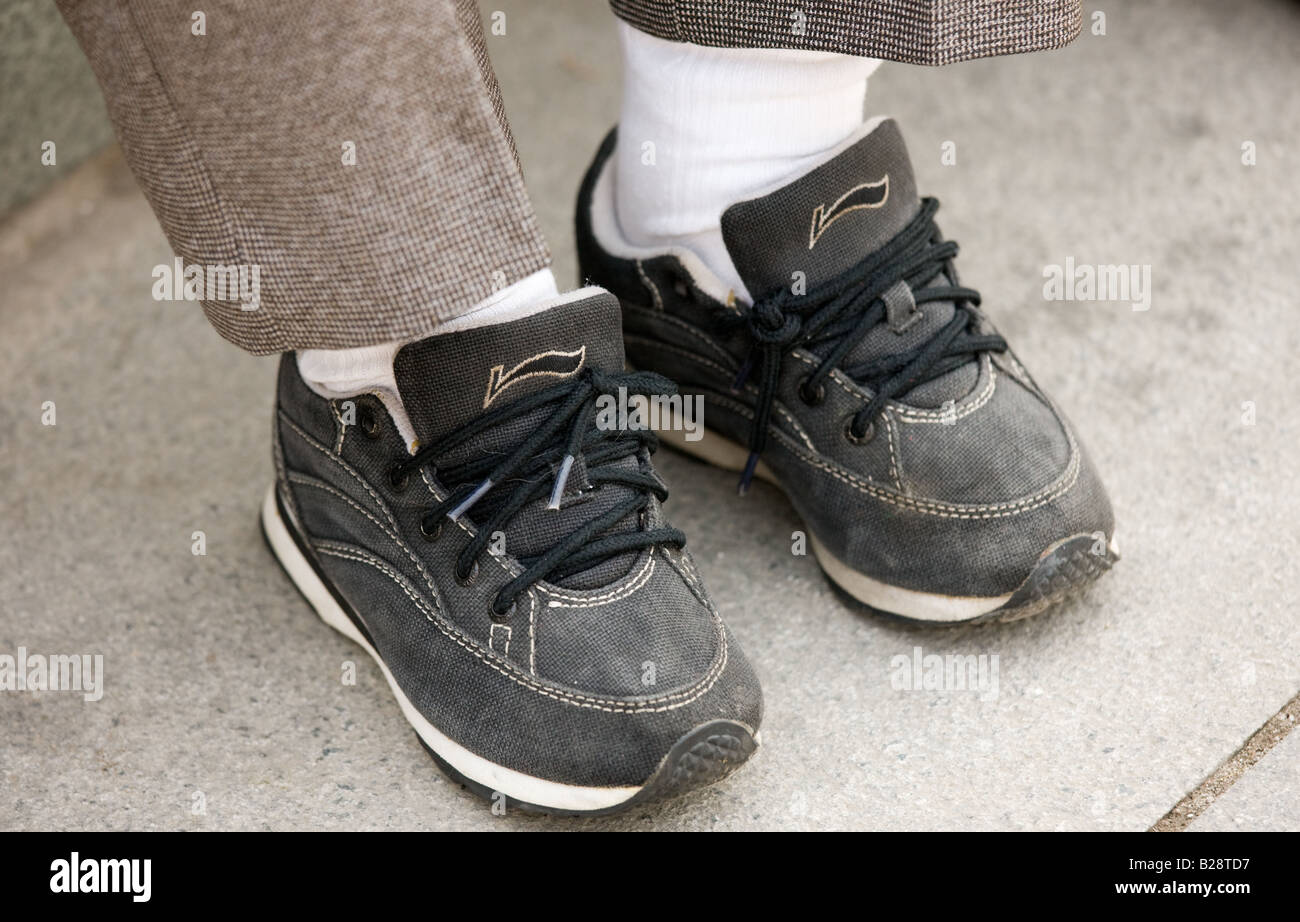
column 358, row 153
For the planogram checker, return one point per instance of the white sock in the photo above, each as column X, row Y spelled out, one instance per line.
column 726, row 123
column 339, row 373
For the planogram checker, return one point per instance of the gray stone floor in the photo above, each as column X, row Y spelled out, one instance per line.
column 1263, row 798
column 1124, row 148
column 47, row 94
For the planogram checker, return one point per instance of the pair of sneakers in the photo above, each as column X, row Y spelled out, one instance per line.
column 500, row 548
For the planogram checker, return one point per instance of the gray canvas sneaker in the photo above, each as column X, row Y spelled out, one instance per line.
column 507, row 564
column 937, row 481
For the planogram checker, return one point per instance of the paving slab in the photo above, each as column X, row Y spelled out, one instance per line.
column 223, row 704
column 1266, row 798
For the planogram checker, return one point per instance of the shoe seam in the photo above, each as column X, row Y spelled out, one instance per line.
column 943, row 509
column 686, row 570
column 736, row 405
column 308, row 481
column 532, row 633
column 744, row 410
column 906, row 413
column 342, row 427
column 381, row 505
column 895, row 469
column 691, row 331
column 492, row 633
column 508, row 669
column 626, row 587
column 962, row 409
column 650, row 286
column 501, row 560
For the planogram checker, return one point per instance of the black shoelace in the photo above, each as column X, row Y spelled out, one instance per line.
column 840, row 313
column 567, row 440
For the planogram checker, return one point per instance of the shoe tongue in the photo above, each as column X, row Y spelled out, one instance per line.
column 830, row 219
column 826, row 220
column 449, row 379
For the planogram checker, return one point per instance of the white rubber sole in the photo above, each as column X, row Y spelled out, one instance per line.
column 516, row 786
column 907, row 603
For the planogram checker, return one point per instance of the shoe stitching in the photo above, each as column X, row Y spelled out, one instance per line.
column 952, row 510
column 689, row 575
column 281, row 472
column 509, row 670
column 905, row 413
column 936, row 508
column 964, row 408
column 343, row 427
column 506, row 565
column 894, row 469
column 277, row 452
column 492, row 633
column 532, row 633
column 1019, row 372
column 695, row 356
column 835, row 375
column 383, row 507
column 307, row 481
column 623, row 591
column 693, row 332
column 653, row 288
column 512, row 570
column 736, row 405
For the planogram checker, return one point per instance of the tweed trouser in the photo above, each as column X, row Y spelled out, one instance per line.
column 358, row 154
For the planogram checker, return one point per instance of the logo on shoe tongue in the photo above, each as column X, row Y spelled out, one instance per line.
column 552, row 364
column 866, row 195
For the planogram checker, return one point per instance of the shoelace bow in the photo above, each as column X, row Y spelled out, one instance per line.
column 569, row 436
column 843, row 311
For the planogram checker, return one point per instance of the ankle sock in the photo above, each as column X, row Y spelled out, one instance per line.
column 702, row 128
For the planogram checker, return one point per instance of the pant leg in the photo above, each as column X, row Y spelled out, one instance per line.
column 238, row 139
column 910, row 31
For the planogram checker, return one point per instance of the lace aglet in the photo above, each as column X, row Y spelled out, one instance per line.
column 747, row 476
column 470, row 500
column 561, row 479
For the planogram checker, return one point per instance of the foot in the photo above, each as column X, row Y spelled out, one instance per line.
column 937, row 481
column 512, row 572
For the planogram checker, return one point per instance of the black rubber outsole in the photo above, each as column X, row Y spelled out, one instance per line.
column 701, row 757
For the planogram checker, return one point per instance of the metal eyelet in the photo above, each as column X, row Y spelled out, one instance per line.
column 368, row 422
column 398, row 478
column 815, row 396
column 854, row 437
column 501, row 617
column 469, row 579
column 430, row 534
